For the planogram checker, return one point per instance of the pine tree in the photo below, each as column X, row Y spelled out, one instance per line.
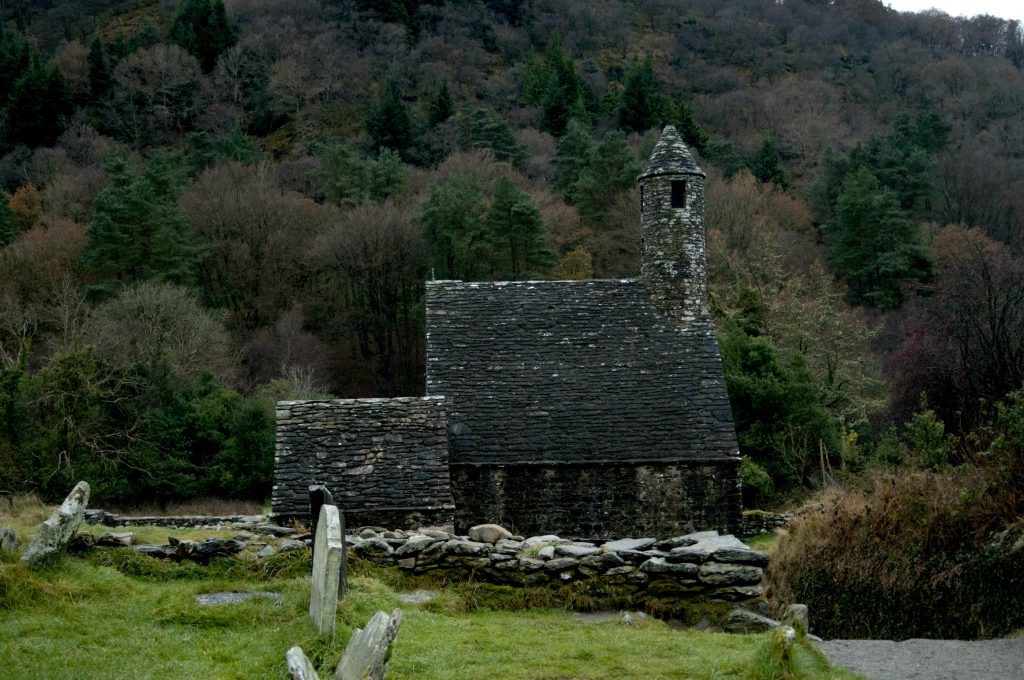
column 15, row 54
column 203, row 30
column 575, row 152
column 873, row 244
column 518, row 233
column 387, row 121
column 39, row 105
column 8, row 232
column 688, row 127
column 452, row 220
column 442, row 106
column 765, row 165
column 611, row 172
column 139, row 230
column 642, row 106
column 99, row 68
column 484, row 129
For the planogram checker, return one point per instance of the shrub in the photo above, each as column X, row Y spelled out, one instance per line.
column 913, row 554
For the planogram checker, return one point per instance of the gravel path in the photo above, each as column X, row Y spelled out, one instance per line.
column 929, row 659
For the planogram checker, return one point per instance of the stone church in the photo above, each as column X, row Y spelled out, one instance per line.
column 591, row 408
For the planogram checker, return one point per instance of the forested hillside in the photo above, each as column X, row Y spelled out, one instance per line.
column 212, row 205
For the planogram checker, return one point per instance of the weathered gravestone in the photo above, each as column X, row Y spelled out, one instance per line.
column 328, row 554
column 299, row 665
column 369, row 650
column 54, row 534
column 8, row 540
column 319, row 496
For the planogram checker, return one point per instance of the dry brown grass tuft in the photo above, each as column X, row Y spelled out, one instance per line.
column 196, row 506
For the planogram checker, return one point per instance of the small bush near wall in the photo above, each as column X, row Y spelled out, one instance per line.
column 914, row 554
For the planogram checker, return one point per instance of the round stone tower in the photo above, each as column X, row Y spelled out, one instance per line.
column 672, row 230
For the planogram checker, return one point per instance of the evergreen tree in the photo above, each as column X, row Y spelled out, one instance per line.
column 688, row 127
column 518, row 233
column 15, row 54
column 387, row 120
column 442, row 106
column 39, row 105
column 452, row 220
column 8, row 232
column 642, row 106
column 202, row 28
column 765, row 165
column 873, row 244
column 562, row 94
column 99, row 68
column 611, row 172
column 138, row 230
column 575, row 152
column 484, row 129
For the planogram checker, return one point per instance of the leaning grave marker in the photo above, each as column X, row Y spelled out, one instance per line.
column 329, row 552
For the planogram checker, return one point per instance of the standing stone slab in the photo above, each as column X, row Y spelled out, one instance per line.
column 53, row 535
column 319, row 496
column 299, row 666
column 369, row 650
column 8, row 540
column 328, row 556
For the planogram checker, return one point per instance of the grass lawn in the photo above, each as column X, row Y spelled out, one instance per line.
column 116, row 614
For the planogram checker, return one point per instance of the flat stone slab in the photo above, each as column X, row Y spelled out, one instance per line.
column 629, row 544
column 418, row 596
column 208, row 599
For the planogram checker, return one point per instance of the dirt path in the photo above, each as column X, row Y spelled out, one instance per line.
column 930, row 659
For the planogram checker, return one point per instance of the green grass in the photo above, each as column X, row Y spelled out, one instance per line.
column 116, row 614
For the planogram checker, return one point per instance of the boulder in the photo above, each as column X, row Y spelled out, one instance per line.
column 560, row 563
column 53, row 535
column 116, row 539
column 796, row 617
column 8, row 540
column 415, row 545
column 741, row 620
column 373, row 548
column 369, row 649
column 489, row 533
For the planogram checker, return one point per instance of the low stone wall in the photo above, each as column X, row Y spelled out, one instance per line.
column 754, row 522
column 702, row 566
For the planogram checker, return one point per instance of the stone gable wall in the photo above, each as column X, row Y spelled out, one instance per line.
column 385, row 461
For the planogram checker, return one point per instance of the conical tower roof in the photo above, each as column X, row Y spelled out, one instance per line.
column 670, row 157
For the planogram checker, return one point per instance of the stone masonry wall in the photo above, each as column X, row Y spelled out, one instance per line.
column 385, row 461
column 665, row 573
column 600, row 500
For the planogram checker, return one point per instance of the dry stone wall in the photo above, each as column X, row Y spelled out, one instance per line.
column 385, row 461
column 703, row 566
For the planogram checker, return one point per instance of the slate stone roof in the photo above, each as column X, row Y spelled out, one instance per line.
column 670, row 157
column 573, row 372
